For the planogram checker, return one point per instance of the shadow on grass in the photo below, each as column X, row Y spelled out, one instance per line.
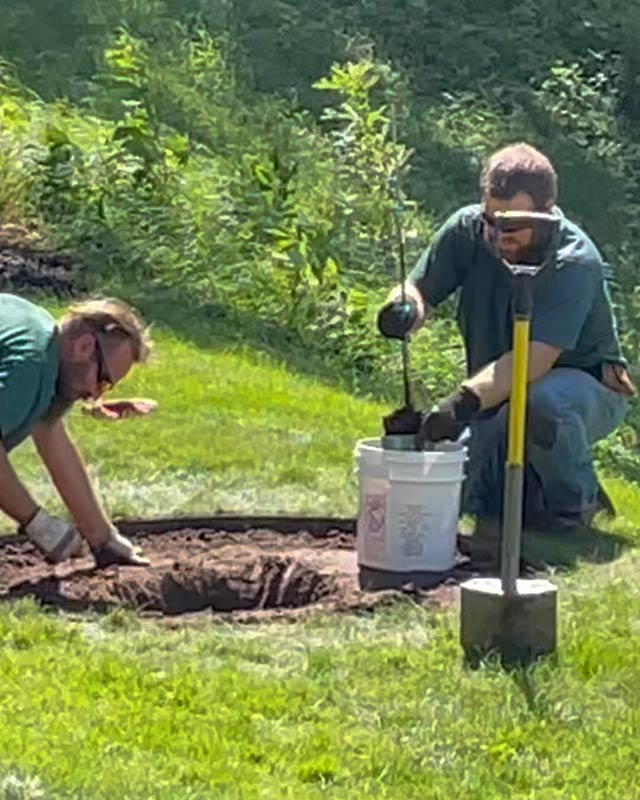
column 564, row 550
column 211, row 326
column 561, row 550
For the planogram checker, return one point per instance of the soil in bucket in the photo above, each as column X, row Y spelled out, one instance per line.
column 252, row 575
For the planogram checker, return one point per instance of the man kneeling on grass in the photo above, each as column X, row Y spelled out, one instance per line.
column 44, row 368
column 578, row 379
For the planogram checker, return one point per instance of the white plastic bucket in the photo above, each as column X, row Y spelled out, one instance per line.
column 409, row 507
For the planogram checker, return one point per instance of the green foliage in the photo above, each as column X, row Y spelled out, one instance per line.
column 14, row 183
column 15, row 179
column 370, row 159
column 149, row 151
column 16, row 787
column 583, row 103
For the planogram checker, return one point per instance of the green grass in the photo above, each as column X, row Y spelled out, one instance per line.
column 373, row 706
column 347, row 707
column 236, row 431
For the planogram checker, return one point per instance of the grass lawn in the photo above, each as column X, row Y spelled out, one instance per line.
column 351, row 707
column 236, row 431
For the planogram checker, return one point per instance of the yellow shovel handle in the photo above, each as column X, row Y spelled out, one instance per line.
column 518, row 402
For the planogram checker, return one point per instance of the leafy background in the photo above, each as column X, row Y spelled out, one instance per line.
column 242, row 156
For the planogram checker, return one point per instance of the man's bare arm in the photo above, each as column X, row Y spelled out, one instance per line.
column 69, row 474
column 492, row 385
column 15, row 500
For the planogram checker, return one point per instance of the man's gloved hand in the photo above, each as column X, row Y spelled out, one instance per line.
column 119, row 550
column 395, row 318
column 450, row 418
column 57, row 540
column 402, row 421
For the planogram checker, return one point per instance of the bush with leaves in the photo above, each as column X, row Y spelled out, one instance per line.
column 152, row 155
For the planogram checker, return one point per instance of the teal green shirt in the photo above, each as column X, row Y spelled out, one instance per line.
column 572, row 308
column 29, row 366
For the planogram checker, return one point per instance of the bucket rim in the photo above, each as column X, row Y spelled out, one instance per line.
column 453, row 453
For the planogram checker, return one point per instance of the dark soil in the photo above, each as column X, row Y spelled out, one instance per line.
column 257, row 574
column 26, row 266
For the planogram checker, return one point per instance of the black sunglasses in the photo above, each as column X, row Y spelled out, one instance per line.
column 508, row 226
column 510, row 222
column 105, row 381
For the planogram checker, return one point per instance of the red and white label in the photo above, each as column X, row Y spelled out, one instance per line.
column 373, row 525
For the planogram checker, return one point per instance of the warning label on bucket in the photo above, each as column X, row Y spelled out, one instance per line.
column 373, row 523
column 413, row 529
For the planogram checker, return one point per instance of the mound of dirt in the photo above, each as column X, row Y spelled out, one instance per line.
column 255, row 574
column 25, row 265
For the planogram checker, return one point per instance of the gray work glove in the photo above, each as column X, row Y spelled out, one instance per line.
column 57, row 540
column 119, row 550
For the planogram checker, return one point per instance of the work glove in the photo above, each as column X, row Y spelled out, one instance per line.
column 449, row 419
column 57, row 540
column 396, row 318
column 118, row 550
column 405, row 420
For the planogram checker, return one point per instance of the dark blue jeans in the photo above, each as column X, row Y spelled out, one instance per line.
column 568, row 411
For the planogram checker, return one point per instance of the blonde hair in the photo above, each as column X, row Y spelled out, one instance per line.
column 113, row 319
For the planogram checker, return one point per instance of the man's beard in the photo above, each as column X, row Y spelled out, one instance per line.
column 66, row 393
column 59, row 406
column 540, row 249
column 532, row 254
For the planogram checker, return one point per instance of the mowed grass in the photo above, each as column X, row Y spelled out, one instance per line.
column 346, row 707
column 235, row 431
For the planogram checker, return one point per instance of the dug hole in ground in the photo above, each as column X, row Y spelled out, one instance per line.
column 260, row 568
column 249, row 568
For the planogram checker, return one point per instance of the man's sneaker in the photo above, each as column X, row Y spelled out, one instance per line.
column 483, row 546
column 566, row 522
column 549, row 523
column 604, row 502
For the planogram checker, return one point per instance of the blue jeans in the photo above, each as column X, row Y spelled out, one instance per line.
column 568, row 411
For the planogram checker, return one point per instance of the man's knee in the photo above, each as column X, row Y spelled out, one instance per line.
column 543, row 422
column 546, row 407
column 488, row 434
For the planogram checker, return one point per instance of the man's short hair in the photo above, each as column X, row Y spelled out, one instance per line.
column 520, row 168
column 115, row 321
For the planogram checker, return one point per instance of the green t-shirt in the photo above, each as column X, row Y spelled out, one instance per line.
column 571, row 305
column 29, row 365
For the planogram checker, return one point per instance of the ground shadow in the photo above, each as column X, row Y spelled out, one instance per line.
column 214, row 326
column 544, row 550
column 35, row 272
column 564, row 550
